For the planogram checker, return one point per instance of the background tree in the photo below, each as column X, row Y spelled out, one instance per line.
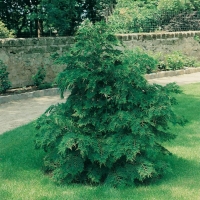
column 39, row 17
column 15, row 14
column 152, row 15
column 4, row 32
column 111, row 128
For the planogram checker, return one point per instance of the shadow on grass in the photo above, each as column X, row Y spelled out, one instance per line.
column 20, row 161
column 17, row 151
column 18, row 154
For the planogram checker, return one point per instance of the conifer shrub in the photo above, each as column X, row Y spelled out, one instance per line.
column 111, row 128
column 5, row 84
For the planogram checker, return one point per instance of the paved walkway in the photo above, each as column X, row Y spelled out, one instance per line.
column 180, row 80
column 21, row 112
column 18, row 113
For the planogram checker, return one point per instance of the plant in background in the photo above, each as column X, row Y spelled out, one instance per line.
column 4, row 32
column 39, row 77
column 151, row 15
column 174, row 61
column 5, row 84
column 196, row 38
column 111, row 128
column 177, row 60
column 138, row 56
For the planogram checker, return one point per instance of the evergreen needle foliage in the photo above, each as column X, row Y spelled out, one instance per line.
column 111, row 128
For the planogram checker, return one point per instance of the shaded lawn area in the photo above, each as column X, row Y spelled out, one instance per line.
column 21, row 177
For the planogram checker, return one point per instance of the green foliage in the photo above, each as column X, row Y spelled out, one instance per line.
column 176, row 60
column 139, row 57
column 111, row 128
column 171, row 5
column 39, row 77
column 5, row 84
column 38, row 18
column 45, row 86
column 149, row 16
column 196, row 38
column 4, row 32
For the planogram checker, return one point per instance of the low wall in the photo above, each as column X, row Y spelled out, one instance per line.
column 164, row 42
column 23, row 56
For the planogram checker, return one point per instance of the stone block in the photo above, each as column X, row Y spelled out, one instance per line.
column 161, row 74
column 33, row 50
column 152, row 76
column 198, row 69
column 124, row 37
column 52, row 48
column 5, row 43
column 189, row 70
column 49, row 41
column 170, row 73
column 70, row 40
column 57, row 41
column 163, row 35
column 130, row 37
column 179, row 72
column 42, row 41
column 65, row 48
column 146, row 76
column 33, row 41
column 158, row 36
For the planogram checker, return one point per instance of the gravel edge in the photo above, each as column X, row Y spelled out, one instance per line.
column 172, row 73
column 26, row 95
column 55, row 91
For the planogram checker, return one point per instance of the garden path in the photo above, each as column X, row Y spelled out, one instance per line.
column 18, row 113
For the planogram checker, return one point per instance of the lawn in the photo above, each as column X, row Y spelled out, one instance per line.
column 21, row 177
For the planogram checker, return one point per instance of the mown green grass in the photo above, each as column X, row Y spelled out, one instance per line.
column 21, row 177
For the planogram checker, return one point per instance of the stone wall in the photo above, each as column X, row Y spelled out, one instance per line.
column 23, row 56
column 164, row 42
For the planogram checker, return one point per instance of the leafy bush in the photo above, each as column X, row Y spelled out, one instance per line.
column 39, row 77
column 175, row 61
column 134, row 16
column 5, row 84
column 4, row 32
column 111, row 128
column 155, row 15
column 171, row 5
column 45, row 86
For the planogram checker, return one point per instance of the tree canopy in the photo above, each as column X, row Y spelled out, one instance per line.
column 152, row 15
column 37, row 17
column 4, row 32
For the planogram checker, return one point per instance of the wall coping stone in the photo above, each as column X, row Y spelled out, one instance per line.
column 16, row 42
column 43, row 41
column 157, row 35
